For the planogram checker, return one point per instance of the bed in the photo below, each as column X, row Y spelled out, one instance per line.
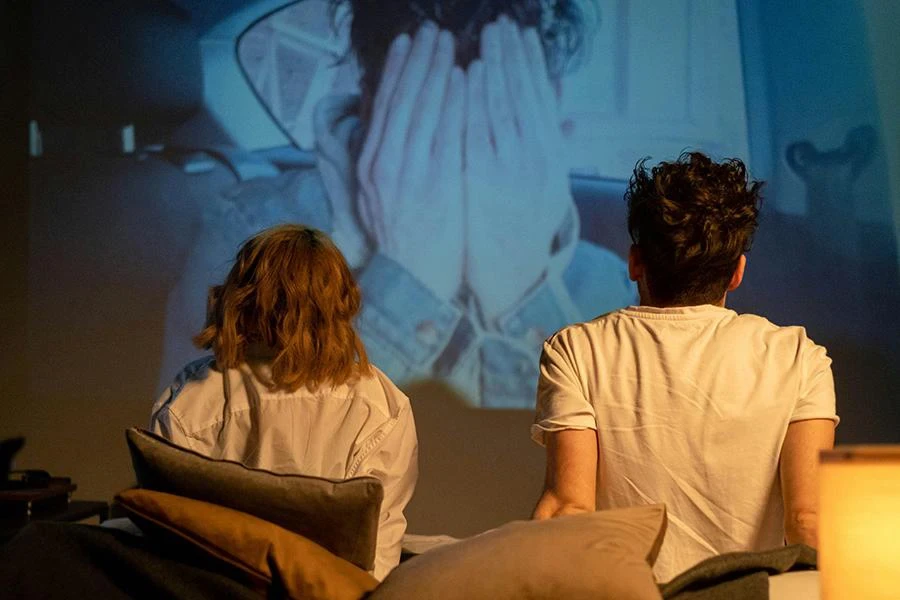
column 216, row 529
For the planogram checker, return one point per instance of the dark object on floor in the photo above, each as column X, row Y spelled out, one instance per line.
column 738, row 575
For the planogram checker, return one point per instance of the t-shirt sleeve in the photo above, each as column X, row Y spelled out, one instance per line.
column 816, row 398
column 561, row 400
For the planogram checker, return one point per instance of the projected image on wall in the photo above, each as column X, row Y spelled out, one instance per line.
column 471, row 171
column 442, row 163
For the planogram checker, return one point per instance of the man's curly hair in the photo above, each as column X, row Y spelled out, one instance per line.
column 691, row 220
column 564, row 27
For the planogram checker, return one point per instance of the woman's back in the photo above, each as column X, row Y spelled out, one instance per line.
column 362, row 427
column 290, row 388
column 235, row 415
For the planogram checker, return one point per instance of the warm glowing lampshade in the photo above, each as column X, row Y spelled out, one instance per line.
column 859, row 523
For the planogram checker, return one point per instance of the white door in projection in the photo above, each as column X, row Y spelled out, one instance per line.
column 662, row 77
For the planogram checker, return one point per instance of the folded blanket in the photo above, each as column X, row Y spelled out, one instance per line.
column 738, row 575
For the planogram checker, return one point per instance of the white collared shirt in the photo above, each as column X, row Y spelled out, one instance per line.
column 358, row 428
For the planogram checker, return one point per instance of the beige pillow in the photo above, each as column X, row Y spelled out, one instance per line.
column 262, row 551
column 604, row 554
column 340, row 515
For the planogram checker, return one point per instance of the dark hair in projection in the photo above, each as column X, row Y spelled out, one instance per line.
column 290, row 292
column 691, row 220
column 564, row 27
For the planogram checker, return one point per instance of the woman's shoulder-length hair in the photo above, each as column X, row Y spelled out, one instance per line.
column 291, row 293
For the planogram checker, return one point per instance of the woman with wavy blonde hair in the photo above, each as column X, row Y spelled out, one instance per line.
column 288, row 387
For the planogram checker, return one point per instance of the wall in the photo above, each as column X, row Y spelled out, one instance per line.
column 884, row 43
column 813, row 76
column 89, row 260
column 14, row 203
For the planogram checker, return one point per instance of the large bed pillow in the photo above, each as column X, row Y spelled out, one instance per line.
column 271, row 559
column 339, row 515
column 598, row 555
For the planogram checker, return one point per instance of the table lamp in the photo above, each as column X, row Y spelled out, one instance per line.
column 859, row 523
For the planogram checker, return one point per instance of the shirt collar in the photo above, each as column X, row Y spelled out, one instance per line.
column 677, row 312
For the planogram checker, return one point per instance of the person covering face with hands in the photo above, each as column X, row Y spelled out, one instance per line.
column 444, row 186
column 437, row 182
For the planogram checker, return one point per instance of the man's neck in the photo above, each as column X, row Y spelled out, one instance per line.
column 647, row 301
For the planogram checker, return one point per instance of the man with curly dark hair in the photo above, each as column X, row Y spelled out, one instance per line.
column 691, row 222
column 680, row 400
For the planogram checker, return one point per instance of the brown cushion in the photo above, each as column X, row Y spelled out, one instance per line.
column 604, row 554
column 262, row 551
column 339, row 515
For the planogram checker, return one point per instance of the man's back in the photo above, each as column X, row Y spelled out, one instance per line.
column 691, row 406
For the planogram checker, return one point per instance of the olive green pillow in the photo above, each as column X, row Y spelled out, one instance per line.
column 339, row 515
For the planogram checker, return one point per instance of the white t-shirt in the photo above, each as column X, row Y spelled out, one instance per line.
column 691, row 405
column 363, row 427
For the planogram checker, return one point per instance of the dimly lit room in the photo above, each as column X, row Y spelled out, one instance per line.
column 450, row 299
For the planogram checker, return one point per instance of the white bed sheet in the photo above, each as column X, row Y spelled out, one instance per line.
column 797, row 585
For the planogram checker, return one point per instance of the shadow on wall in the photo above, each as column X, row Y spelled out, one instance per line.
column 477, row 468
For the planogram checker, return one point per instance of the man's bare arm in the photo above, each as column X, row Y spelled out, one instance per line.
column 570, row 485
column 799, row 478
